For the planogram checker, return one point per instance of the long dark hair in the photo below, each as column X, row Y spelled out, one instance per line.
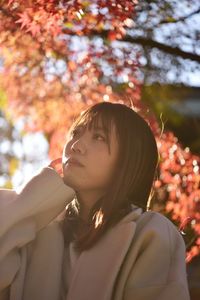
column 134, row 174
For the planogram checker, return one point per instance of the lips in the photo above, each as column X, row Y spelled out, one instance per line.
column 74, row 161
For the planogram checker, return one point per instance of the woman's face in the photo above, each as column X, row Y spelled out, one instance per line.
column 90, row 148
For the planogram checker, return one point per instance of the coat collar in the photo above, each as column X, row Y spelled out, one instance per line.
column 96, row 269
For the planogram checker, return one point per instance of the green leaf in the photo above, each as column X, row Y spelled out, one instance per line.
column 68, row 25
column 13, row 165
column 170, row 19
column 3, row 99
column 8, row 185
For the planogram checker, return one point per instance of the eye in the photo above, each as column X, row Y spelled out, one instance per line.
column 99, row 137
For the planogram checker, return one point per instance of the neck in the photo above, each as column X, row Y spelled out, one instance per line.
column 86, row 201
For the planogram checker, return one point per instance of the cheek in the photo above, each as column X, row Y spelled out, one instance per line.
column 102, row 169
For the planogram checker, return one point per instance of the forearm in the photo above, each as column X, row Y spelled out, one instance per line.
column 42, row 198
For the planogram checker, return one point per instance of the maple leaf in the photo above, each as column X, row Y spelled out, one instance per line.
column 24, row 19
column 10, row 2
column 34, row 28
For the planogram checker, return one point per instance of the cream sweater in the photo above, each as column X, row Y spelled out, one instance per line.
column 70, row 259
column 142, row 257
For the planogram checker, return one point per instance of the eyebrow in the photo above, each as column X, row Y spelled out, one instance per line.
column 99, row 128
column 103, row 130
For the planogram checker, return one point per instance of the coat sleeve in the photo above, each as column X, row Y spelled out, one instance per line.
column 24, row 213
column 158, row 271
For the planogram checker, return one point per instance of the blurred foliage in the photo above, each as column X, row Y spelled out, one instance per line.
column 167, row 34
column 173, row 106
column 8, row 160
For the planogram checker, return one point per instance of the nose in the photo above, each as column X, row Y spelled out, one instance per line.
column 78, row 146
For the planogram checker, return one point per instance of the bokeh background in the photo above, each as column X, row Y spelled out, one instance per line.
column 58, row 57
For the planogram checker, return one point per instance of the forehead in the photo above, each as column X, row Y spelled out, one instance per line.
column 95, row 120
column 98, row 121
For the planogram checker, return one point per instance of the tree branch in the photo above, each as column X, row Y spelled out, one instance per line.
column 163, row 47
column 147, row 42
column 181, row 19
column 168, row 19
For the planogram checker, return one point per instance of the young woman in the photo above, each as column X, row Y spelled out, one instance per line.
column 84, row 232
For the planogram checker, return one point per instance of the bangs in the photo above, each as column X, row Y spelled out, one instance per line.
column 95, row 119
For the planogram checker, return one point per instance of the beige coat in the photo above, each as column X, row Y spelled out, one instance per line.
column 142, row 257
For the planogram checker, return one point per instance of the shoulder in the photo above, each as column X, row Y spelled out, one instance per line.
column 160, row 228
column 7, row 196
column 152, row 219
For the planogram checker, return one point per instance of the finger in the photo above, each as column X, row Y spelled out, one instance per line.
column 60, row 171
column 55, row 162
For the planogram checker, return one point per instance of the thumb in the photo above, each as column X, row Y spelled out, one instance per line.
column 56, row 164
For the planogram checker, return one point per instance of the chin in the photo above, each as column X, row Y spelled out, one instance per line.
column 71, row 183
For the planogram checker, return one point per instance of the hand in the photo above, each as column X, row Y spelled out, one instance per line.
column 56, row 164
